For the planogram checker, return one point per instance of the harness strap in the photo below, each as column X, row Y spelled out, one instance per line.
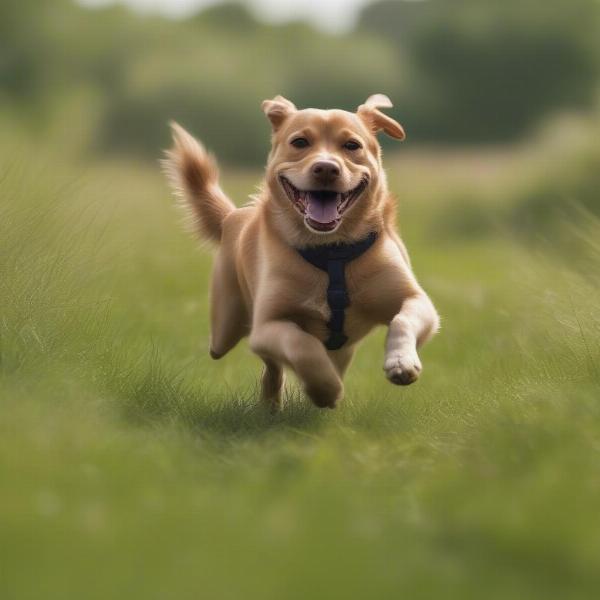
column 333, row 258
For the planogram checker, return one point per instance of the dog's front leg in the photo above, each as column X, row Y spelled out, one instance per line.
column 284, row 342
column 416, row 322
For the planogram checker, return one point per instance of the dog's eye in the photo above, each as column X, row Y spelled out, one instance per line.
column 300, row 142
column 352, row 145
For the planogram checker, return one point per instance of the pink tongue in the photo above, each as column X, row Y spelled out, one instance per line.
column 322, row 208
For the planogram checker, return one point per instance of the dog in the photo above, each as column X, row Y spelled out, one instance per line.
column 313, row 263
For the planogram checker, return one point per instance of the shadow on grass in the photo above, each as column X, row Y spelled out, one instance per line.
column 151, row 393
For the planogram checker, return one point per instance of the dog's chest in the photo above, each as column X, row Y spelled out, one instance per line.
column 372, row 294
column 314, row 304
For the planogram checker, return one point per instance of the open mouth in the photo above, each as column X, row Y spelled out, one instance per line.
column 322, row 209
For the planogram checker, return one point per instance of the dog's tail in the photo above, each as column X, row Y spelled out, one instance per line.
column 194, row 176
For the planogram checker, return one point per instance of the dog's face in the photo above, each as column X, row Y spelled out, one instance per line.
column 324, row 170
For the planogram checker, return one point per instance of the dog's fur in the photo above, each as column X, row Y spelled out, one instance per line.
column 262, row 287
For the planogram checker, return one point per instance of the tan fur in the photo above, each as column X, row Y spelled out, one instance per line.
column 194, row 176
column 261, row 286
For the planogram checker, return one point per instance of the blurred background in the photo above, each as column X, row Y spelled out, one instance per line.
column 133, row 466
column 459, row 71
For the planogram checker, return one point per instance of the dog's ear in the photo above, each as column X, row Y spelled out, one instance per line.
column 369, row 112
column 278, row 110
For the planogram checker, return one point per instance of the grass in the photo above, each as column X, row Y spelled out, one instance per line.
column 131, row 466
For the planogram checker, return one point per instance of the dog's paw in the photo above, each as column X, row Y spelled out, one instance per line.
column 403, row 368
column 325, row 395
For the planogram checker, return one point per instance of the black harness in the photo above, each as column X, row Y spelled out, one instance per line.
column 333, row 258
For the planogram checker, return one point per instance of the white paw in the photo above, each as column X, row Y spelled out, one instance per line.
column 402, row 368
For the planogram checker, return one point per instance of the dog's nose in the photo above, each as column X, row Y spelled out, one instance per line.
column 325, row 171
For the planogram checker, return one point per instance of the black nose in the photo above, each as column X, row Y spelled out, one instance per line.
column 325, row 171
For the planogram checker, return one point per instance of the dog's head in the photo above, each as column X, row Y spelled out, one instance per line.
column 324, row 170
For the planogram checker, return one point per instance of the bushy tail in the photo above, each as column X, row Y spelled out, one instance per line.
column 194, row 176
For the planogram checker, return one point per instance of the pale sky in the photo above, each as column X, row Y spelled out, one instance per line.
column 331, row 15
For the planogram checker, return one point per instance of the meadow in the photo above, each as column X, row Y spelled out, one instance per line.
column 133, row 466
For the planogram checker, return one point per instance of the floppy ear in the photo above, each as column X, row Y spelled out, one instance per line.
column 278, row 110
column 369, row 112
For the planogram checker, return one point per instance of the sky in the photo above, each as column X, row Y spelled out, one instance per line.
column 330, row 15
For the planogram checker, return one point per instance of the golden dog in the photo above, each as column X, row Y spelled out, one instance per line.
column 314, row 262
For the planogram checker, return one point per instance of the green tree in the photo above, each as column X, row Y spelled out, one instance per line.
column 484, row 70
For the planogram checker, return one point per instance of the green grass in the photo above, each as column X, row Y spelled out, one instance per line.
column 132, row 466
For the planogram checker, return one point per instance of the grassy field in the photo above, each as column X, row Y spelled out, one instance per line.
column 132, row 466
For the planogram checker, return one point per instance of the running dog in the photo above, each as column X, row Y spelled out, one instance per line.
column 313, row 263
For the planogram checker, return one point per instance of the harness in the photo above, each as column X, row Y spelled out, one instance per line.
column 333, row 258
